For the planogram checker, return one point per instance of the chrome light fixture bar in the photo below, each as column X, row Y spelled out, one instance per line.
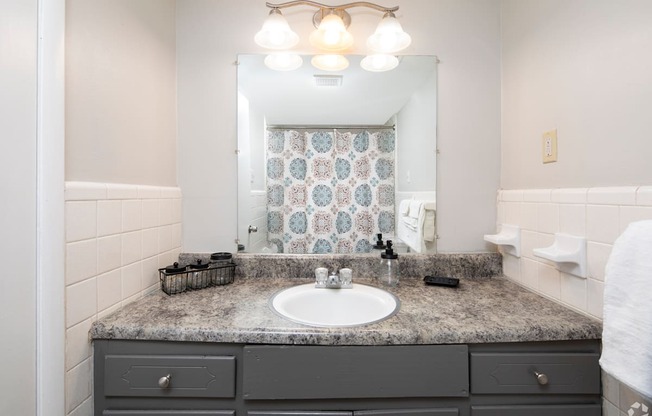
column 331, row 37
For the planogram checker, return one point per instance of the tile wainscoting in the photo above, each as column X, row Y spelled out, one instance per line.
column 117, row 236
column 598, row 214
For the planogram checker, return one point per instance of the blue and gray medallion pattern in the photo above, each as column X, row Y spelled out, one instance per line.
column 329, row 191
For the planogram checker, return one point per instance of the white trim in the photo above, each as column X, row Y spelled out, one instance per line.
column 50, row 283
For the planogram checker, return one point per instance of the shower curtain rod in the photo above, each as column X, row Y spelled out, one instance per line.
column 351, row 127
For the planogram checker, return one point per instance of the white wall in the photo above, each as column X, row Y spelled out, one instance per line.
column 415, row 170
column 121, row 91
column 463, row 34
column 18, row 162
column 583, row 67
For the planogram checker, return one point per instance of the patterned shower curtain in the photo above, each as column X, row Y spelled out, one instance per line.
column 329, row 191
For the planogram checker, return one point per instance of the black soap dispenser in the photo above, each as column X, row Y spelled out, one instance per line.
column 389, row 271
column 379, row 242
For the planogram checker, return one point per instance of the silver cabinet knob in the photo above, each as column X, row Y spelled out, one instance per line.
column 164, row 382
column 542, row 379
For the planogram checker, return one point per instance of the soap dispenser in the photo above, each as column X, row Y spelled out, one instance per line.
column 379, row 242
column 388, row 269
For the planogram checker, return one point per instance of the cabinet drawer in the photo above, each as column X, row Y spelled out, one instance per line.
column 190, row 376
column 300, row 372
column 540, row 410
column 168, row 413
column 408, row 412
column 508, row 373
column 296, row 413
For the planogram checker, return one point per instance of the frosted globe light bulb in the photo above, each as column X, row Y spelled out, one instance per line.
column 331, row 35
column 389, row 36
column 276, row 33
column 379, row 62
column 387, row 41
column 330, row 62
column 283, row 61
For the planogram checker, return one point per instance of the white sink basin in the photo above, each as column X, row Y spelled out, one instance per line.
column 359, row 305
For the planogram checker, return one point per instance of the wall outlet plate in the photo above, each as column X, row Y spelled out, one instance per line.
column 550, row 146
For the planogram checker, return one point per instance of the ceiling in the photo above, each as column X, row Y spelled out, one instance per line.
column 364, row 98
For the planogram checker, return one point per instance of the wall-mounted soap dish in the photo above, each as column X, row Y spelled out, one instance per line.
column 568, row 251
column 509, row 238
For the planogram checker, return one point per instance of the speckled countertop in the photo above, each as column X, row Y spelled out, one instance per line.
column 478, row 311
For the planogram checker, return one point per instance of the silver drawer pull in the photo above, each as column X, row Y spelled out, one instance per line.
column 541, row 378
column 164, row 382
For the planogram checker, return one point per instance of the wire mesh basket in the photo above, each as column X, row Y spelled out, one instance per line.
column 176, row 279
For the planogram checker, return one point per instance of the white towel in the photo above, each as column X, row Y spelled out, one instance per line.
column 429, row 225
column 404, row 207
column 627, row 326
column 411, row 223
column 415, row 208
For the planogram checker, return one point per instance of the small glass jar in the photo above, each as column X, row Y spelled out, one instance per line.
column 198, row 276
column 220, row 275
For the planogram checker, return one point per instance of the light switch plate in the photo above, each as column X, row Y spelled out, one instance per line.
column 550, row 146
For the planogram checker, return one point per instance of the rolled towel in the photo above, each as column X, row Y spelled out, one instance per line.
column 429, row 225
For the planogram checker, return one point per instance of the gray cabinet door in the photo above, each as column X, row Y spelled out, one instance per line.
column 540, row 410
column 302, row 372
column 168, row 413
column 408, row 412
column 296, row 413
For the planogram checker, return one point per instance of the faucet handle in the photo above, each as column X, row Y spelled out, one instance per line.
column 321, row 275
column 346, row 276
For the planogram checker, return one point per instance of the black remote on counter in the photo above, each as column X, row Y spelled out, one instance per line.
column 441, row 281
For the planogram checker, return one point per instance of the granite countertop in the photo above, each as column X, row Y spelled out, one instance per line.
column 482, row 310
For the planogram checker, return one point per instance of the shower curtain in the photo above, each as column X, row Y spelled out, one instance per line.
column 329, row 190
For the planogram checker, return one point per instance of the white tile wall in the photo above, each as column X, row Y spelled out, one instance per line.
column 598, row 214
column 117, row 236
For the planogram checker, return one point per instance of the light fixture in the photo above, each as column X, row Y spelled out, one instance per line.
column 331, row 36
column 283, row 61
column 379, row 62
column 330, row 62
column 276, row 32
column 389, row 36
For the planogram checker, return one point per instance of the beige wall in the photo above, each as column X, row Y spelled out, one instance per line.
column 18, row 121
column 463, row 34
column 583, row 67
column 121, row 91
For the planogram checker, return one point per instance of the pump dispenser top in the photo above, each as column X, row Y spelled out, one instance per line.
column 379, row 242
column 389, row 252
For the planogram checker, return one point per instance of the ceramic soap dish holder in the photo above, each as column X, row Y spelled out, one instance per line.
column 509, row 238
column 568, row 251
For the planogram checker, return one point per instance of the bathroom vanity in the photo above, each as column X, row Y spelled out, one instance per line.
column 486, row 348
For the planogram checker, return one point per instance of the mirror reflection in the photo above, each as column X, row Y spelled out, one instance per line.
column 329, row 160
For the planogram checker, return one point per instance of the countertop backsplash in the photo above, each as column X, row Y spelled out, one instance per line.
column 471, row 265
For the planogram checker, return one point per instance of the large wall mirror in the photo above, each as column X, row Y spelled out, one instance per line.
column 328, row 160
